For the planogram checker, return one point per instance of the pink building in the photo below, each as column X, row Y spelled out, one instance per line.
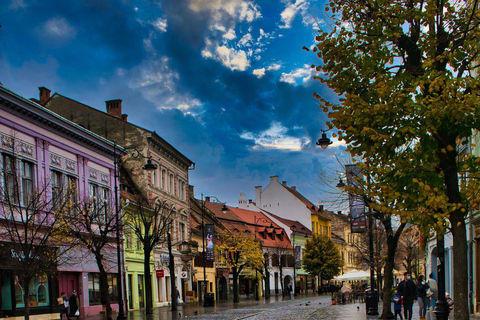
column 52, row 153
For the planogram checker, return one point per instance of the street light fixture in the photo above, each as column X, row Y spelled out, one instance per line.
column 224, row 210
column 324, row 142
column 149, row 166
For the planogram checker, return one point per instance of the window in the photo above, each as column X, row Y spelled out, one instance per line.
column 171, row 183
column 128, row 237
column 154, row 178
column 38, row 292
column 181, row 231
column 164, row 179
column 275, row 260
column 56, row 183
column 94, row 288
column 27, row 181
column 9, row 179
column 181, row 189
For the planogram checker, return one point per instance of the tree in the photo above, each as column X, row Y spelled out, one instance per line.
column 282, row 256
column 321, row 257
column 93, row 224
column 30, row 226
column 405, row 75
column 150, row 222
column 409, row 252
column 237, row 251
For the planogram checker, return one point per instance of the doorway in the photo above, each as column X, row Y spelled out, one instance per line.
column 141, row 298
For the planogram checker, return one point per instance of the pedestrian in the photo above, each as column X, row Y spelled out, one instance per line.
column 422, row 288
column 63, row 305
column 397, row 304
column 178, row 294
column 408, row 292
column 289, row 290
column 449, row 300
column 432, row 283
column 74, row 305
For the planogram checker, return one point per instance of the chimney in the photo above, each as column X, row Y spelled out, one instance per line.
column 284, row 183
column 320, row 207
column 190, row 190
column 44, row 95
column 251, row 201
column 339, row 212
column 114, row 108
column 274, row 179
column 207, row 199
column 294, row 188
column 124, row 117
column 258, row 195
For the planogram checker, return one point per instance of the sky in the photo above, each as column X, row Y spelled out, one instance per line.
column 226, row 82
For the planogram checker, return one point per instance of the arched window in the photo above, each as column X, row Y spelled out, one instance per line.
column 171, row 189
column 164, row 179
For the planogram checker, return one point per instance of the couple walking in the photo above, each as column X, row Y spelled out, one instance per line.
column 408, row 292
column 69, row 306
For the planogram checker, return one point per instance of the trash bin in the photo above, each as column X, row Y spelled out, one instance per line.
column 371, row 302
column 209, row 299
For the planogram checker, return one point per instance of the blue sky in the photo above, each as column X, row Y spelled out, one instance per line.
column 224, row 81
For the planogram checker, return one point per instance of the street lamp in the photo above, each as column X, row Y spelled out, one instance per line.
column 372, row 294
column 149, row 166
column 224, row 210
column 256, row 270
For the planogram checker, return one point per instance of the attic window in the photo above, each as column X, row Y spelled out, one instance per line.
column 264, row 234
column 273, row 235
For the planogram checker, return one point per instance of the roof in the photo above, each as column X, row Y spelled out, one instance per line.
column 313, row 209
column 53, row 120
column 260, row 224
column 293, row 225
column 154, row 136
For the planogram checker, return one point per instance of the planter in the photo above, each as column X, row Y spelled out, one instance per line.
column 334, row 301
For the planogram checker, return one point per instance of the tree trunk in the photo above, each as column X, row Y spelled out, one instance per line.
column 236, row 294
column 104, row 297
column 388, row 278
column 26, row 297
column 460, row 270
column 147, row 251
column 448, row 165
column 267, row 284
column 171, row 267
column 281, row 277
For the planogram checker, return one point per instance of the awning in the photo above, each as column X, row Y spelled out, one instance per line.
column 354, row 275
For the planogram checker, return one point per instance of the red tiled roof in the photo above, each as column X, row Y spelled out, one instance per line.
column 293, row 225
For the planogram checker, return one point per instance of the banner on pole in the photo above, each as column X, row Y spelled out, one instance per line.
column 209, row 231
column 358, row 223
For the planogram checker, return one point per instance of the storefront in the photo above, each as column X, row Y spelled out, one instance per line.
column 15, row 269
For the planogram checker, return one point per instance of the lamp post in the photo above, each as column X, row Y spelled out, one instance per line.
column 372, row 294
column 149, row 166
column 256, row 270
column 204, row 255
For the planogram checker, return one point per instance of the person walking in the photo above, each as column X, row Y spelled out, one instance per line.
column 408, row 292
column 422, row 288
column 74, row 305
column 397, row 305
column 289, row 290
column 63, row 305
column 432, row 283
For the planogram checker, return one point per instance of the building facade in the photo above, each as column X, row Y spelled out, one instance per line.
column 53, row 154
column 168, row 182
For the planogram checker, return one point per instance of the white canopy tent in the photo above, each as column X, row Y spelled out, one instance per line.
column 354, row 275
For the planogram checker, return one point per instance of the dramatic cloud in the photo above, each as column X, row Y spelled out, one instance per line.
column 304, row 75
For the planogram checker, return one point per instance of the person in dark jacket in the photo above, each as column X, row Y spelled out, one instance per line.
column 74, row 304
column 422, row 288
column 408, row 292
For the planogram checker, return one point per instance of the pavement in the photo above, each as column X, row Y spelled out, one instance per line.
column 307, row 307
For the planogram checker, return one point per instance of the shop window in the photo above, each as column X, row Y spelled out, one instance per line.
column 94, row 288
column 38, row 292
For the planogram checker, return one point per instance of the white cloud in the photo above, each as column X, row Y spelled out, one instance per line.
column 233, row 59
column 288, row 15
column 259, row 72
column 304, row 74
column 59, row 28
column 245, row 41
column 274, row 67
column 230, row 35
column 275, row 137
column 160, row 24
column 240, row 10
